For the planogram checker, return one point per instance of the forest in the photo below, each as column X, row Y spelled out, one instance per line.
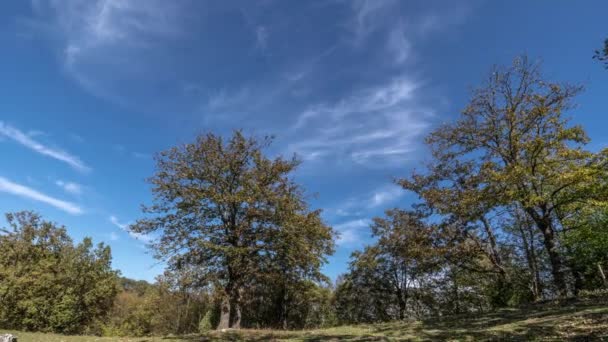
column 510, row 210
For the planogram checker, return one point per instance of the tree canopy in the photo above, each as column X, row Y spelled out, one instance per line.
column 234, row 217
column 49, row 284
column 514, row 146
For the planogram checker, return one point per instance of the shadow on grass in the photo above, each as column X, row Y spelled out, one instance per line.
column 570, row 323
column 306, row 337
column 566, row 323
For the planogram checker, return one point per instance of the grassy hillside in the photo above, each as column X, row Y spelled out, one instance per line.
column 571, row 322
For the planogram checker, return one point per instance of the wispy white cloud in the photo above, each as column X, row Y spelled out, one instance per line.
column 70, row 187
column 114, row 220
column 347, row 237
column 399, row 45
column 390, row 18
column 353, row 231
column 91, row 24
column 385, row 196
column 125, row 227
column 140, row 155
column 353, row 224
column 302, row 69
column 23, row 191
column 376, row 125
column 223, row 99
column 261, row 37
column 344, row 212
column 29, row 142
column 97, row 36
column 369, row 16
column 370, row 100
column 350, row 231
column 258, row 98
column 369, row 202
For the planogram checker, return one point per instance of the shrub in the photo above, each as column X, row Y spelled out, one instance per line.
column 205, row 324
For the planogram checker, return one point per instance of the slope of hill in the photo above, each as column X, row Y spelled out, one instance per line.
column 576, row 321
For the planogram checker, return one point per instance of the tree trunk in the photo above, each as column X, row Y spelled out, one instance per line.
column 535, row 281
column 235, row 300
column 456, row 295
column 602, row 274
column 494, row 253
column 236, row 322
column 556, row 262
column 579, row 280
column 402, row 306
column 550, row 242
column 401, row 290
column 178, row 319
column 577, row 272
column 224, row 313
column 284, row 322
column 187, row 314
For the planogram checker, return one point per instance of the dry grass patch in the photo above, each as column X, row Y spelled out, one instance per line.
column 577, row 322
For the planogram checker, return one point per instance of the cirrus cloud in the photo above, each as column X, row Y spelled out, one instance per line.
column 373, row 126
column 16, row 189
column 70, row 187
column 28, row 141
column 349, row 232
column 125, row 227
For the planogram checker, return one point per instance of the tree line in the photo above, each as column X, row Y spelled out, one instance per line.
column 511, row 209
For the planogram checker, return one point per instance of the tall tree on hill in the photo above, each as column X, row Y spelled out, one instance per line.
column 297, row 247
column 406, row 253
column 453, row 191
column 517, row 148
column 390, row 279
column 225, row 209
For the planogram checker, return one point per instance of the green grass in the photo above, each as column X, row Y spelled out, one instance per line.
column 586, row 322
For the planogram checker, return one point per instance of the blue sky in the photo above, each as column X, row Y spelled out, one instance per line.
column 91, row 89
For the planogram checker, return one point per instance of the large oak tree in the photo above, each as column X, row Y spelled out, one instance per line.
column 512, row 145
column 226, row 210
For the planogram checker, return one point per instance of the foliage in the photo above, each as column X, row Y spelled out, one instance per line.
column 512, row 210
column 49, row 284
column 163, row 308
column 408, row 273
column 205, row 324
column 512, row 147
column 393, row 274
column 602, row 55
column 234, row 219
column 597, row 293
column 587, row 245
